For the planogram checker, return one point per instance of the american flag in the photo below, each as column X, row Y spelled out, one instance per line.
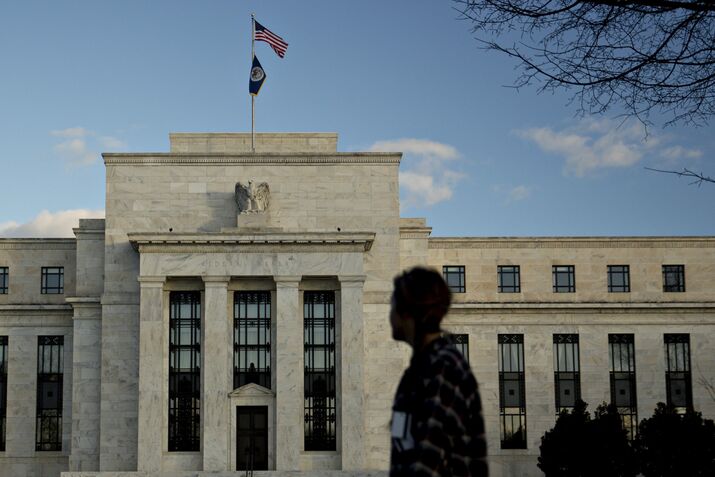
column 277, row 43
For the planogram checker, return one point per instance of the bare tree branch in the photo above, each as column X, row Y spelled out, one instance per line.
column 699, row 177
column 646, row 56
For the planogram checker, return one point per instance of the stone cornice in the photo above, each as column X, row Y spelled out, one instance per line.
column 37, row 308
column 583, row 307
column 88, row 234
column 263, row 158
column 570, row 242
column 252, row 242
column 84, row 300
column 38, row 244
column 415, row 232
column 352, row 280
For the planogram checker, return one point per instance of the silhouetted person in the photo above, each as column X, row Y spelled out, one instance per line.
column 437, row 426
column 252, row 374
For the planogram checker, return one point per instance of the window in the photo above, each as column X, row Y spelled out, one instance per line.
column 512, row 392
column 454, row 276
column 619, row 279
column 53, row 280
column 673, row 278
column 678, row 380
column 252, row 338
column 622, row 362
column 319, row 339
column 48, row 430
column 462, row 344
column 184, row 371
column 4, row 279
column 567, row 378
column 3, row 390
column 564, row 278
column 508, row 279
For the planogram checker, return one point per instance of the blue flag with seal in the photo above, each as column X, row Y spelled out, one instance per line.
column 258, row 76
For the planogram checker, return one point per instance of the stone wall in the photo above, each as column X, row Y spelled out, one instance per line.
column 25, row 314
column 187, row 192
column 592, row 312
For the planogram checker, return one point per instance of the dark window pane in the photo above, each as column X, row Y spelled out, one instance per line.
column 52, row 280
column 3, row 390
column 461, row 341
column 621, row 359
column 252, row 338
column 319, row 374
column 48, row 430
column 508, row 279
column 4, row 274
column 564, row 279
column 454, row 276
column 619, row 278
column 184, row 371
column 566, row 371
column 512, row 392
column 678, row 377
column 673, row 278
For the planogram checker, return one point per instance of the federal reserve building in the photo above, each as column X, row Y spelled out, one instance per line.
column 230, row 314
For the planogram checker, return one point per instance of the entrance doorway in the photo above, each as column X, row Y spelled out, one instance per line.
column 251, row 438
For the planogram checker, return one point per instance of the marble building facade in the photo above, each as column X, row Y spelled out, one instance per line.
column 165, row 290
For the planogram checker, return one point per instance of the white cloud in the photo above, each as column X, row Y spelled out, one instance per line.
column 426, row 177
column 76, row 152
column 49, row 224
column 72, row 132
column 518, row 193
column 513, row 193
column 590, row 145
column 112, row 143
column 675, row 153
column 420, row 147
column 81, row 146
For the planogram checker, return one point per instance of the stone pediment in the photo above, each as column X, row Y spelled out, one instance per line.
column 251, row 389
column 252, row 241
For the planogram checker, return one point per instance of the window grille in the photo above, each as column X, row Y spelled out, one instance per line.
column 564, row 278
column 48, row 429
column 619, row 278
column 4, row 279
column 319, row 354
column 512, row 392
column 678, row 377
column 3, row 391
column 508, row 279
column 567, row 376
column 461, row 342
column 622, row 363
column 184, row 371
column 53, row 280
column 673, row 278
column 454, row 276
column 252, row 338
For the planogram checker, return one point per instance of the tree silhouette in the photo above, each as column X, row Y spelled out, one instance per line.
column 646, row 56
column 676, row 445
column 579, row 446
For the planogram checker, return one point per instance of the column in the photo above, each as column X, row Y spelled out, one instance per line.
column 289, row 373
column 86, row 383
column 352, row 384
column 151, row 376
column 216, row 379
column 21, row 395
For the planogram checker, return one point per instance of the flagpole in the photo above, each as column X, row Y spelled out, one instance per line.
column 253, row 96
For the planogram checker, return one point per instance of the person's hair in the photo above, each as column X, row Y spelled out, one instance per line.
column 423, row 294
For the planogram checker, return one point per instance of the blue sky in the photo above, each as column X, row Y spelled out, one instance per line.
column 82, row 77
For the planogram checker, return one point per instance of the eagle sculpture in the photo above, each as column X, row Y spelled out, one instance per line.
column 251, row 197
